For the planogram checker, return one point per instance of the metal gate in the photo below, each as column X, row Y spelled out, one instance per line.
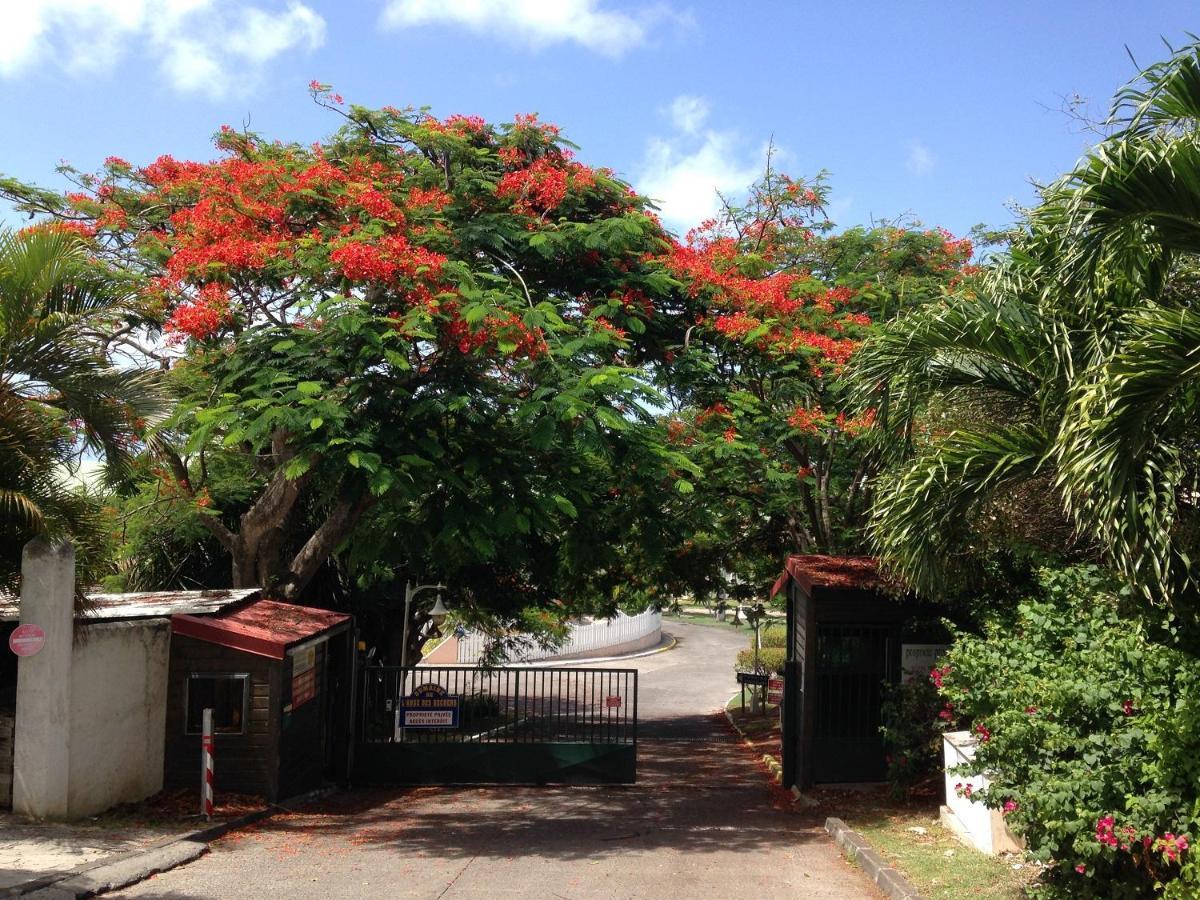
column 853, row 662
column 472, row 725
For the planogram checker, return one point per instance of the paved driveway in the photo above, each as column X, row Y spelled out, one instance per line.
column 704, row 821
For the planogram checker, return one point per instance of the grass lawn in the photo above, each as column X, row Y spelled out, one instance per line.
column 695, row 619
column 937, row 863
column 909, row 836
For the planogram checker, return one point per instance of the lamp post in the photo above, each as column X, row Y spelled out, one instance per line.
column 437, row 615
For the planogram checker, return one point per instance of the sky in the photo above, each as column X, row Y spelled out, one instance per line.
column 940, row 112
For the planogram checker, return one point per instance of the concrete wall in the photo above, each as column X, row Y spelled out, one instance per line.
column 974, row 823
column 91, row 704
column 645, row 642
column 118, row 714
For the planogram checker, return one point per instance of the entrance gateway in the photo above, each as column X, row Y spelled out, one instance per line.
column 476, row 725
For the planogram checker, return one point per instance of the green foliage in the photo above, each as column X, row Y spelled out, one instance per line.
column 773, row 636
column 61, row 398
column 1082, row 717
column 770, row 659
column 912, row 734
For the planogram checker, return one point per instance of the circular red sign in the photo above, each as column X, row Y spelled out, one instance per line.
column 27, row 639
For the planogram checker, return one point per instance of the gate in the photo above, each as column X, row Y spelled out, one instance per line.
column 473, row 725
column 852, row 664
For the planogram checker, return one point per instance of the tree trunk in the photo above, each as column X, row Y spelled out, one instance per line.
column 256, row 549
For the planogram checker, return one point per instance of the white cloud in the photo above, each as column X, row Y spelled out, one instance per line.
column 689, row 113
column 536, row 22
column 201, row 46
column 683, row 173
column 920, row 159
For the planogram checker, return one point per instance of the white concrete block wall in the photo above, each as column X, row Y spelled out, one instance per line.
column 118, row 714
column 980, row 826
column 958, row 748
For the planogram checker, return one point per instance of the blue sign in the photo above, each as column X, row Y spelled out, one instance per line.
column 429, row 706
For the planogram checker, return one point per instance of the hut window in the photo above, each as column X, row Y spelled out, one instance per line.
column 225, row 695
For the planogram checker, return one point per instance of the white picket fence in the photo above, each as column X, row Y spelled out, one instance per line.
column 593, row 637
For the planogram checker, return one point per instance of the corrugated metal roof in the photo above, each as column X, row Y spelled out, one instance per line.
column 263, row 627
column 143, row 605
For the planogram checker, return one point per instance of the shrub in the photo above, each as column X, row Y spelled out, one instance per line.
column 912, row 734
column 1090, row 735
column 770, row 659
column 772, row 636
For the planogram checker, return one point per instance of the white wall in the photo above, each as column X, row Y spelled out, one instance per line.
column 603, row 637
column 91, row 704
column 118, row 714
column 978, row 825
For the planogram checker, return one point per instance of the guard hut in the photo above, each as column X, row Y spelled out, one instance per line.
column 844, row 641
column 278, row 679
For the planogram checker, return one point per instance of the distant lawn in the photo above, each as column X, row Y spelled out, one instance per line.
column 695, row 619
column 937, row 863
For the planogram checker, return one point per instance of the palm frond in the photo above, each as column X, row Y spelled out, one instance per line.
column 919, row 523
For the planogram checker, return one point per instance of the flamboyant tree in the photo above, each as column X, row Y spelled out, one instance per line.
column 357, row 323
column 781, row 305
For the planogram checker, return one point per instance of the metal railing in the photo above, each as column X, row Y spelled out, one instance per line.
column 621, row 629
column 502, row 705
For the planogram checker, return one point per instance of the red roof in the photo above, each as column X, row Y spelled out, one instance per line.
column 264, row 627
column 859, row 573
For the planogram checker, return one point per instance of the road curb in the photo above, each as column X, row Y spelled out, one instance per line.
column 124, row 869
column 857, row 850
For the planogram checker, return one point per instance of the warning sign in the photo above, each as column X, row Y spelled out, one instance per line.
column 775, row 690
column 27, row 639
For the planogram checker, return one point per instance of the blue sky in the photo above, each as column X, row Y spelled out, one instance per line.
column 941, row 111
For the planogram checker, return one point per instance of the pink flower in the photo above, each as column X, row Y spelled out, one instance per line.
column 1106, row 831
column 1081, row 868
column 1127, row 707
column 984, row 733
column 1010, row 806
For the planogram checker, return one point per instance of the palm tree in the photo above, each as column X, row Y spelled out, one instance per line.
column 61, row 400
column 974, row 386
column 1077, row 362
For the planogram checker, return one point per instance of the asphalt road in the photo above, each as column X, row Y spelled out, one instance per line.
column 704, row 821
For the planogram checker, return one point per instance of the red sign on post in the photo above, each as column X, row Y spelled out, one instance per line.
column 612, row 702
column 27, row 639
column 775, row 690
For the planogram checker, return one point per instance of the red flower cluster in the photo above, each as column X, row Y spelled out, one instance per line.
column 855, row 425
column 805, row 419
column 936, row 675
column 737, row 325
column 542, row 186
column 1169, row 844
column 203, row 317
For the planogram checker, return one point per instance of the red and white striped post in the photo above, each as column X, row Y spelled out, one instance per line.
column 206, row 765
